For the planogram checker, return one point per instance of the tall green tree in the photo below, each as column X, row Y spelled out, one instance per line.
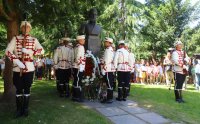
column 164, row 23
column 57, row 18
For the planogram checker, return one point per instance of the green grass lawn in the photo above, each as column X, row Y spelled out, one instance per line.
column 159, row 99
column 47, row 108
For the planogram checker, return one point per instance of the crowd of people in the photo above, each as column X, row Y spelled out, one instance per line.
column 117, row 64
column 43, row 67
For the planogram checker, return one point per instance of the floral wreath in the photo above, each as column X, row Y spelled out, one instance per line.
column 90, row 69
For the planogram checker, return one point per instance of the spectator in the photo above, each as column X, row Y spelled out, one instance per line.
column 155, row 72
column 197, row 71
column 149, row 74
column 48, row 63
column 168, row 70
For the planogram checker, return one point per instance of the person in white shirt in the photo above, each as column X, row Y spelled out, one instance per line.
column 20, row 51
column 108, row 68
column 197, row 72
column 63, row 59
column 179, row 65
column 123, row 63
column 78, row 69
column 168, row 70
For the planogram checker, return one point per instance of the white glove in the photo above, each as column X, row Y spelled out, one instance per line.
column 186, row 60
column 185, row 67
column 55, row 66
column 81, row 68
column 24, row 50
column 19, row 63
column 103, row 72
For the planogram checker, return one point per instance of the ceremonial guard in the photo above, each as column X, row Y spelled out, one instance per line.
column 63, row 59
column 71, row 51
column 179, row 60
column 108, row 68
column 124, row 63
column 20, row 51
column 132, row 60
column 114, row 73
column 78, row 69
column 56, row 66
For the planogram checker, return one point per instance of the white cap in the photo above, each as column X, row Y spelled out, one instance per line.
column 121, row 42
column 177, row 43
column 23, row 23
column 109, row 39
column 70, row 44
column 66, row 38
column 170, row 49
column 80, row 37
column 60, row 41
column 198, row 61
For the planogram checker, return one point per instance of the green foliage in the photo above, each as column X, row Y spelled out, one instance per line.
column 3, row 41
column 56, row 18
column 149, row 28
column 165, row 22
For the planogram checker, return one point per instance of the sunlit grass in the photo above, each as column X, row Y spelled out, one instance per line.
column 159, row 99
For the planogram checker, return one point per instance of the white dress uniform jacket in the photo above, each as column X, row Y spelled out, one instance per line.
column 63, row 57
column 131, row 61
column 107, row 61
column 178, row 61
column 71, row 52
column 123, row 60
column 79, row 57
column 14, row 51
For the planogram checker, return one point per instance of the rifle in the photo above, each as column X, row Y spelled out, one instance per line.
column 23, row 44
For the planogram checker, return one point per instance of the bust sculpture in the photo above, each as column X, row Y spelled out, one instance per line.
column 92, row 32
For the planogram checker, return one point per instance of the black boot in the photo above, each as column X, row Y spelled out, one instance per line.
column 125, row 91
column 176, row 93
column 25, row 105
column 61, row 92
column 181, row 98
column 74, row 94
column 109, row 96
column 119, row 98
column 67, row 90
column 80, row 95
column 57, row 85
column 114, row 85
column 19, row 105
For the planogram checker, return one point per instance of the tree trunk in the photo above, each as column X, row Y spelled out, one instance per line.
column 154, row 55
column 12, row 30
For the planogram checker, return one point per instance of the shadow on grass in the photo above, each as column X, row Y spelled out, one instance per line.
column 47, row 108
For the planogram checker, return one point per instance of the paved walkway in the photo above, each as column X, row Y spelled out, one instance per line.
column 127, row 112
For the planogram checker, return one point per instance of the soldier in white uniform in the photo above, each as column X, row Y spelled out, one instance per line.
column 70, row 46
column 78, row 69
column 123, row 63
column 63, row 59
column 56, row 66
column 132, row 60
column 108, row 68
column 20, row 51
column 179, row 64
column 114, row 73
